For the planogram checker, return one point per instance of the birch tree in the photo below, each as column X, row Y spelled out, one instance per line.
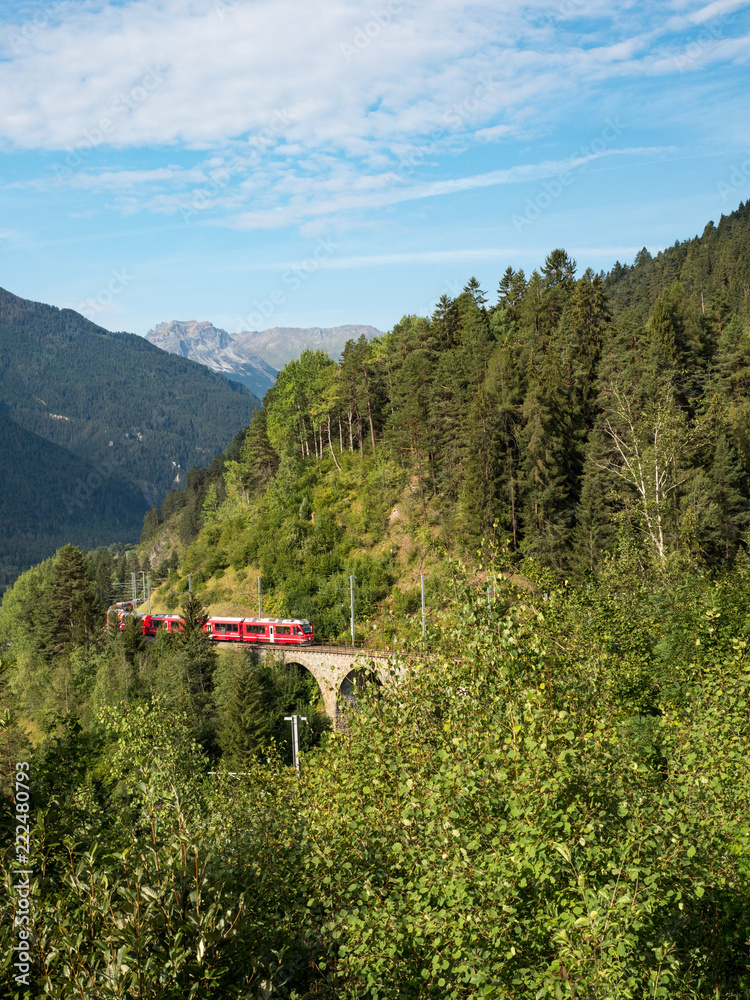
column 648, row 446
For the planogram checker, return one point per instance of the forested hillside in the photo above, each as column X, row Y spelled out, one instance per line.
column 118, row 414
column 577, row 414
column 49, row 497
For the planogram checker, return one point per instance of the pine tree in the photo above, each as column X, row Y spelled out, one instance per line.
column 408, row 430
column 472, row 288
column 588, row 319
column 489, row 493
column 549, row 460
column 248, row 718
column 199, row 653
column 70, row 606
column 558, row 278
column 511, row 289
column 458, row 373
column 596, row 514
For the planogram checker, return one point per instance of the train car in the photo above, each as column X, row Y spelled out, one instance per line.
column 276, row 631
column 117, row 613
column 162, row 623
column 279, row 631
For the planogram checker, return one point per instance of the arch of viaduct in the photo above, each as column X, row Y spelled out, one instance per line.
column 332, row 666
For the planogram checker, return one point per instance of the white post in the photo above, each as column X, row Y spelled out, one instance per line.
column 421, row 578
column 294, row 719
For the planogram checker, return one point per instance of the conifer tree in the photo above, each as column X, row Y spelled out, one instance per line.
column 588, row 318
column 248, row 718
column 532, row 318
column 489, row 492
column 70, row 606
column 472, row 288
column 199, row 653
column 558, row 277
column 511, row 289
column 549, row 458
column 258, row 457
column 596, row 513
column 444, row 324
column 457, row 375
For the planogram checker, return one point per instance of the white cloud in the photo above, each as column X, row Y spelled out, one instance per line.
column 292, row 112
column 177, row 72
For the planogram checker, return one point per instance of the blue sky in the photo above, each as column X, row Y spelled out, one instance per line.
column 263, row 163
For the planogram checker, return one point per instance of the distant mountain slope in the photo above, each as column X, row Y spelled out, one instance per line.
column 103, row 395
column 248, row 356
column 283, row 343
column 97, row 426
column 50, row 497
column 216, row 349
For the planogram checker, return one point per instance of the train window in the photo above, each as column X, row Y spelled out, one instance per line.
column 232, row 628
column 307, row 629
column 283, row 630
column 255, row 629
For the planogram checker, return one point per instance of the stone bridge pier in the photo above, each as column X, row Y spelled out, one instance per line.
column 338, row 671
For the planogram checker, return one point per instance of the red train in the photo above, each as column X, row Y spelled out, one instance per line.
column 279, row 631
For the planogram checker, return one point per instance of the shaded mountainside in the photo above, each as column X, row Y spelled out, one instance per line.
column 115, row 404
column 50, row 497
column 218, row 350
column 82, row 387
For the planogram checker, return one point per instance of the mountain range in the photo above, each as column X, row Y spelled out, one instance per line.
column 252, row 357
column 215, row 348
column 281, row 344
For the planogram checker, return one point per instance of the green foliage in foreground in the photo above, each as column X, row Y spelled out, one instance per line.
column 557, row 811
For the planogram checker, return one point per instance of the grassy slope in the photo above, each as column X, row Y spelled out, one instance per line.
column 368, row 515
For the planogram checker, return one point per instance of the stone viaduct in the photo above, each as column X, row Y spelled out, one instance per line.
column 340, row 671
